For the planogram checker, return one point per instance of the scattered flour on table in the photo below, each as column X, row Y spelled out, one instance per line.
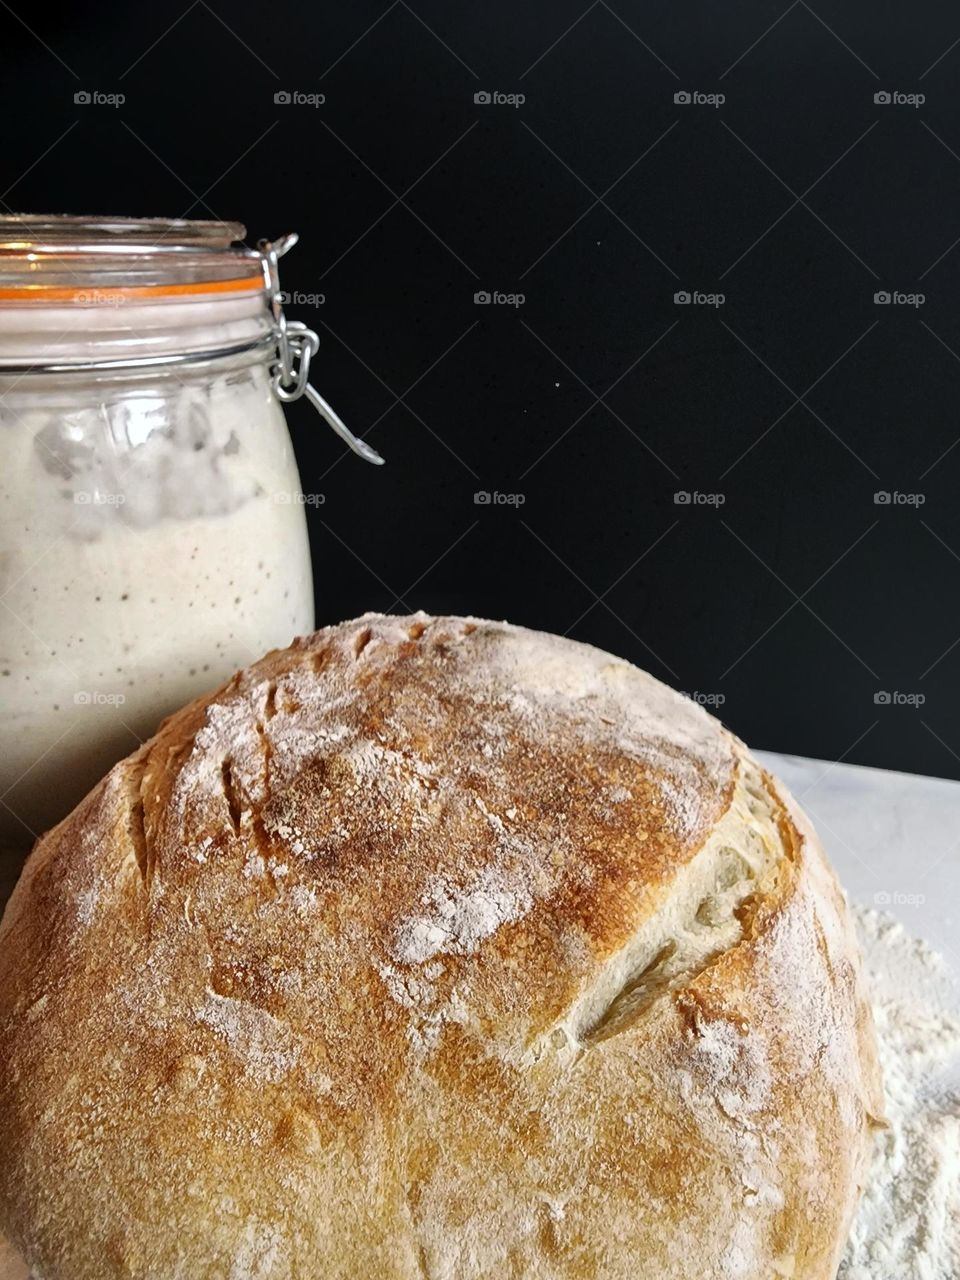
column 908, row 1223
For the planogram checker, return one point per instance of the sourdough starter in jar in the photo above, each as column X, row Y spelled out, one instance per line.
column 152, row 539
column 149, row 548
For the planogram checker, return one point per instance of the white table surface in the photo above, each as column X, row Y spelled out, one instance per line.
column 893, row 838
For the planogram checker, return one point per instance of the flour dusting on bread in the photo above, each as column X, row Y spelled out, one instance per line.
column 433, row 949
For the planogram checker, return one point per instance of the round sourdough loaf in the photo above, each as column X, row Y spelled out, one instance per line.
column 433, row 949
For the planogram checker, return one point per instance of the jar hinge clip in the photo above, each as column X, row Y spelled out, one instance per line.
column 296, row 346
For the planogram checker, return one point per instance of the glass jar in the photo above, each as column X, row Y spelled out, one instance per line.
column 152, row 529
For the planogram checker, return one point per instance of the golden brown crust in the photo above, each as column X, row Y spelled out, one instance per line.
column 432, row 948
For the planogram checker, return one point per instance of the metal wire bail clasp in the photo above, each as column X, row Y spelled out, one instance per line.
column 296, row 347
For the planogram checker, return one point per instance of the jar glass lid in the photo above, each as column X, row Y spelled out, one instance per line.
column 54, row 257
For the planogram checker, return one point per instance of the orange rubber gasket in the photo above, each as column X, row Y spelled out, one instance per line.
column 54, row 293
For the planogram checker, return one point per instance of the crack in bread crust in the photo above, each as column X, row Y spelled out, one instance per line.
column 713, row 904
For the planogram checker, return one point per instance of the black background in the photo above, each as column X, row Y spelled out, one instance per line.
column 797, row 600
